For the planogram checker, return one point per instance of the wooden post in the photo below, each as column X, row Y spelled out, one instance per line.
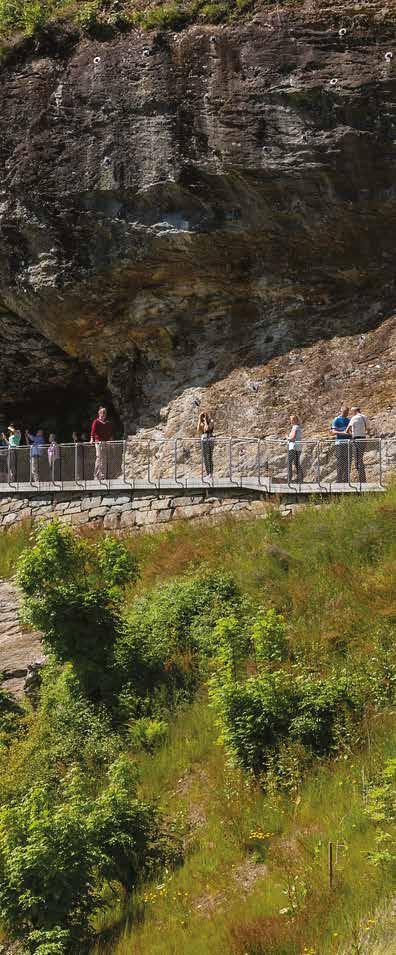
column 330, row 864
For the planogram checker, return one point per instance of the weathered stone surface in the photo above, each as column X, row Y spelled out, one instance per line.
column 158, row 504
column 164, row 515
column 196, row 510
column 177, row 502
column 111, row 521
column 10, row 518
column 128, row 519
column 80, row 518
column 18, row 647
column 97, row 512
column 119, row 501
column 146, row 517
column 209, row 224
column 141, row 503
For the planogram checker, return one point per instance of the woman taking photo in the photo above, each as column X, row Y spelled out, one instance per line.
column 294, row 449
column 205, row 430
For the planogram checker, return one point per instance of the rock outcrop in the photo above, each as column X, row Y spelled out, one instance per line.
column 20, row 649
column 204, row 217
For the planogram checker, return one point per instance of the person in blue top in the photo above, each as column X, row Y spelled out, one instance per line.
column 342, row 446
column 37, row 445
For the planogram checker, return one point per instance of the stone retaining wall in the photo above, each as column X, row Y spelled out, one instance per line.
column 126, row 510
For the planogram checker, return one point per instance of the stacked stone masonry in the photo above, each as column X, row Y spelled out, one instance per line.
column 117, row 512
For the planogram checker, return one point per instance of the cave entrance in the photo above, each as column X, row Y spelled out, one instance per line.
column 43, row 387
column 60, row 412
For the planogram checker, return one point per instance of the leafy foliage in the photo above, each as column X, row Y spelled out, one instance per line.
column 10, row 717
column 72, row 594
column 256, row 717
column 268, row 631
column 55, row 847
column 166, row 630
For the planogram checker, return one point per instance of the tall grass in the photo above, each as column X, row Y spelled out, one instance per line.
column 252, row 855
column 12, row 543
column 254, row 879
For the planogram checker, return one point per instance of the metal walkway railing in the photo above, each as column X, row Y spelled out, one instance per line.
column 264, row 464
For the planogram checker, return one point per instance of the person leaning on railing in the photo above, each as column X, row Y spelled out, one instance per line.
column 101, row 433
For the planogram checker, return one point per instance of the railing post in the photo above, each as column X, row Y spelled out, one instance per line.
column 380, row 460
column 349, row 461
column 148, row 461
column 258, row 463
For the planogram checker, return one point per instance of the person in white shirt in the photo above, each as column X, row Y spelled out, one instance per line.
column 294, row 446
column 358, row 429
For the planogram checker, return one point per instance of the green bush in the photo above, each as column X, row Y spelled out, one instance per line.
column 147, row 734
column 168, row 628
column 56, row 845
column 381, row 809
column 256, row 717
column 73, row 595
column 268, row 632
column 10, row 717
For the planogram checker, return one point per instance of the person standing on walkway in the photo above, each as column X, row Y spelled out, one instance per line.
column 13, row 441
column 37, row 443
column 357, row 427
column 101, row 433
column 54, row 458
column 294, row 449
column 205, row 429
column 342, row 445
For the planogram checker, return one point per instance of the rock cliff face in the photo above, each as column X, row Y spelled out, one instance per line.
column 204, row 217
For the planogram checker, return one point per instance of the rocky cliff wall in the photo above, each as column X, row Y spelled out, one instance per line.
column 204, row 217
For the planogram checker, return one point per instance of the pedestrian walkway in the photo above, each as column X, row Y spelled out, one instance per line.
column 255, row 464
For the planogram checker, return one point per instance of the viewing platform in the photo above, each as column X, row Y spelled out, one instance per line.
column 260, row 465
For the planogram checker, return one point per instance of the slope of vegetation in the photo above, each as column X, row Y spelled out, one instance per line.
column 217, row 710
column 103, row 18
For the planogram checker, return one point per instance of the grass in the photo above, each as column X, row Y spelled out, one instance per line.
column 251, row 855
column 254, row 879
column 12, row 543
column 101, row 19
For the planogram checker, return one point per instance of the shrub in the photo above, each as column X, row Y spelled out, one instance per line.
column 232, row 645
column 258, row 716
column 255, row 716
column 73, row 595
column 147, row 734
column 268, row 633
column 56, row 846
column 324, row 711
column 381, row 808
column 167, row 627
column 10, row 717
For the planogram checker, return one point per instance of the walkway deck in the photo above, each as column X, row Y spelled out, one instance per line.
column 189, row 484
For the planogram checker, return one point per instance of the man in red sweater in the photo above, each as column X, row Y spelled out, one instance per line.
column 101, row 432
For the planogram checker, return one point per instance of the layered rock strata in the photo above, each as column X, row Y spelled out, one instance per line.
column 206, row 217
